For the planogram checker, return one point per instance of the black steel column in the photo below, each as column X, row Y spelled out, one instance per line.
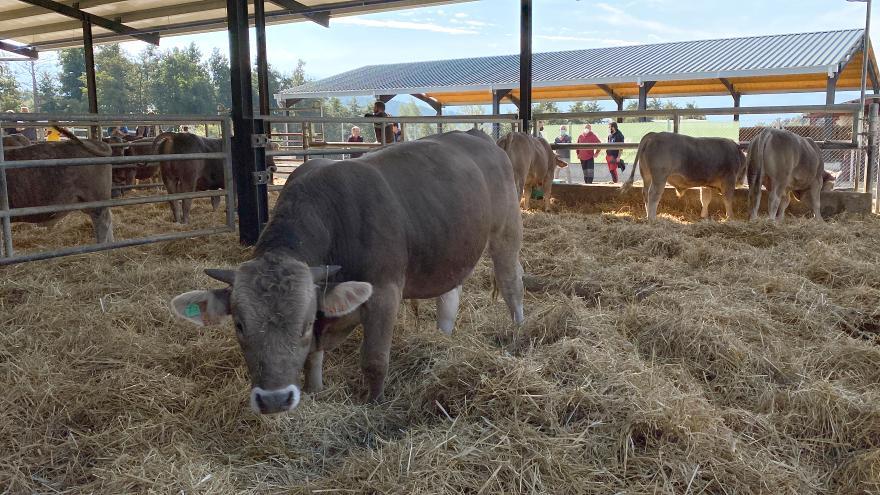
column 252, row 197
column 262, row 59
column 91, row 84
column 737, row 98
column 525, row 63
column 644, row 88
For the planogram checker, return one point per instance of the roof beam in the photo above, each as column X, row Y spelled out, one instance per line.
column 24, row 12
column 729, row 85
column 186, row 8
column 116, row 27
column 24, row 51
column 433, row 103
column 322, row 18
column 610, row 92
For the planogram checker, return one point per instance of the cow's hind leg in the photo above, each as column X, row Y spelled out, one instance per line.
column 727, row 196
column 187, row 205
column 215, row 202
column 504, row 249
column 652, row 198
column 447, row 310
column 547, row 187
column 774, row 198
column 102, row 222
column 705, row 200
column 379, row 316
column 784, row 200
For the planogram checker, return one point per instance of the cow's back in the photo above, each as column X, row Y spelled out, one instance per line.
column 791, row 158
column 420, row 211
column 55, row 185
column 694, row 161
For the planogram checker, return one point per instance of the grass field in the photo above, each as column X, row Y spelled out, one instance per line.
column 710, row 358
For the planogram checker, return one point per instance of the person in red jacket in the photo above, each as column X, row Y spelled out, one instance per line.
column 587, row 156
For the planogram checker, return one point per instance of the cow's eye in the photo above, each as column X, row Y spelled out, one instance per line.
column 239, row 328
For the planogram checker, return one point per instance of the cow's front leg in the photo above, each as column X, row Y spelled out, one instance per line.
column 705, row 200
column 102, row 222
column 315, row 372
column 380, row 313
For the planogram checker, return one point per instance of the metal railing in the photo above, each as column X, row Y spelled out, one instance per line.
column 850, row 155
column 8, row 213
column 312, row 148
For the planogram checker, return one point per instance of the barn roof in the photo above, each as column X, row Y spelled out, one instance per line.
column 36, row 26
column 758, row 64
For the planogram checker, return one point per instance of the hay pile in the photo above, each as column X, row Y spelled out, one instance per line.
column 717, row 358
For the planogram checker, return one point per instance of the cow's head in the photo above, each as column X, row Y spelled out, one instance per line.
column 827, row 181
column 278, row 306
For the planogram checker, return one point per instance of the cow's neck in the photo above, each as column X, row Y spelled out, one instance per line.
column 302, row 236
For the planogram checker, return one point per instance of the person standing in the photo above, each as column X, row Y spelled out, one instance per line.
column 587, row 156
column 612, row 157
column 379, row 111
column 564, row 154
column 356, row 138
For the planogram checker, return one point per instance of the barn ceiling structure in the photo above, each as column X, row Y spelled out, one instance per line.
column 28, row 26
column 791, row 63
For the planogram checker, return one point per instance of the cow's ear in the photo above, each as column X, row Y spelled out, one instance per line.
column 345, row 298
column 321, row 274
column 202, row 307
column 561, row 163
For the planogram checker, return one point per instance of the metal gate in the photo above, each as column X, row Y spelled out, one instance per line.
column 27, row 120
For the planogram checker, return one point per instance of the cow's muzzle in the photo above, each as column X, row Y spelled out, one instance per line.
column 274, row 401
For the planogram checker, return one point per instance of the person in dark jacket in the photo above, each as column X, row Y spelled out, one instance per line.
column 612, row 157
column 379, row 111
column 564, row 155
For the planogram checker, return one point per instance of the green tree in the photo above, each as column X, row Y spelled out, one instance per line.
column 185, row 83
column 47, row 88
column 71, row 78
column 142, row 77
column 586, row 106
column 218, row 68
column 112, row 72
column 10, row 94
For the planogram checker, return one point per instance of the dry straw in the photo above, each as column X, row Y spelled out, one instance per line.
column 714, row 358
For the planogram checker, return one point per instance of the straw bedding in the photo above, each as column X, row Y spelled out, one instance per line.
column 714, row 358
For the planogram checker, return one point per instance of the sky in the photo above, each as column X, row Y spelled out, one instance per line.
column 491, row 27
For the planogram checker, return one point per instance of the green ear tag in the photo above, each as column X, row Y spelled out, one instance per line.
column 192, row 311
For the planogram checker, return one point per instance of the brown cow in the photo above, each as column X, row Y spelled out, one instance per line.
column 15, row 141
column 785, row 164
column 128, row 175
column 30, row 187
column 189, row 175
column 194, row 175
column 415, row 220
column 534, row 164
column 685, row 162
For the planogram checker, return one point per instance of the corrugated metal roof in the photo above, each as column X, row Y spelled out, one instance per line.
column 45, row 29
column 773, row 55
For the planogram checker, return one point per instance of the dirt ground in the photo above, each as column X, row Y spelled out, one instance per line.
column 711, row 358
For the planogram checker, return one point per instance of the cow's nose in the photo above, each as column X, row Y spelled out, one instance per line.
column 274, row 401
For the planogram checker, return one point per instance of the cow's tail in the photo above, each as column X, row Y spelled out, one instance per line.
column 755, row 167
column 504, row 142
column 626, row 186
column 96, row 148
column 160, row 140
